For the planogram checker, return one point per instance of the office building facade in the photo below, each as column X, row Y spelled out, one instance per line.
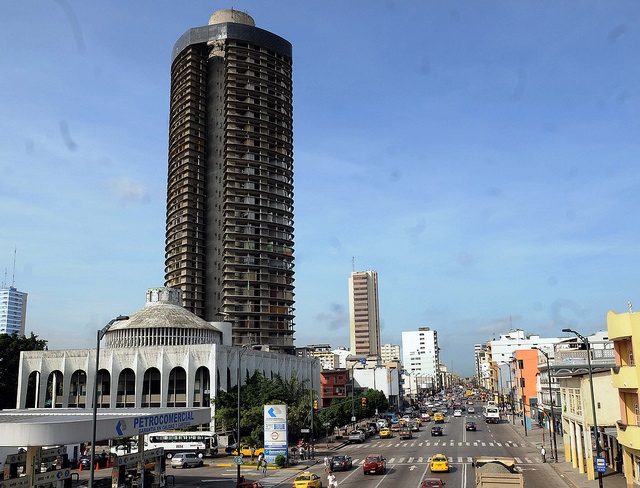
column 390, row 353
column 229, row 229
column 364, row 314
column 421, row 354
column 13, row 310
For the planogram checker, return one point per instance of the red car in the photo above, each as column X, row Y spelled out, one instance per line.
column 433, row 483
column 374, row 465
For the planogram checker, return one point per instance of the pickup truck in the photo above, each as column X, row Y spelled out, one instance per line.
column 356, row 436
column 405, row 433
column 494, row 472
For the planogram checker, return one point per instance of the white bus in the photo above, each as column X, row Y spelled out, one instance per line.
column 491, row 414
column 202, row 443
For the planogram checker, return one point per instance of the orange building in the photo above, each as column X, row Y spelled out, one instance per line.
column 525, row 371
column 332, row 385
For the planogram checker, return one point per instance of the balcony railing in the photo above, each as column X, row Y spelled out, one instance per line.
column 599, row 357
column 628, row 434
column 624, row 377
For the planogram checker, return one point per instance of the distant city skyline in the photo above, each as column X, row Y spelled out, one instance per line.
column 483, row 161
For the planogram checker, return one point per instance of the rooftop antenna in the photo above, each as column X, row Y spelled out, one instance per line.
column 353, row 264
column 13, row 278
column 630, row 307
column 4, row 283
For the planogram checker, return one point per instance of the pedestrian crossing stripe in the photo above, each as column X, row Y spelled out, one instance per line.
column 517, row 460
column 401, row 460
column 410, row 460
column 491, row 444
column 500, row 445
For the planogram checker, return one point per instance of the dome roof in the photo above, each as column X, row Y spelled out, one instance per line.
column 163, row 309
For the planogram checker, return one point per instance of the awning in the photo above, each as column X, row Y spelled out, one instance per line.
column 57, row 426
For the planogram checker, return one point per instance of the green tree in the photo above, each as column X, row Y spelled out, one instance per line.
column 10, row 348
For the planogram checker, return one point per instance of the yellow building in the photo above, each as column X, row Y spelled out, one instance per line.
column 624, row 331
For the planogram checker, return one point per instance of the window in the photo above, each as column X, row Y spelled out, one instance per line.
column 522, row 382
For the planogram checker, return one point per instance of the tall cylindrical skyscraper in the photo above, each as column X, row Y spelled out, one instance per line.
column 229, row 233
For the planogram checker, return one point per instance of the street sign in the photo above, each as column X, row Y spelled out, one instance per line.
column 305, row 431
column 16, row 458
column 601, row 465
column 275, row 431
column 60, row 474
column 353, row 419
column 130, row 459
column 53, row 452
column 237, row 460
column 15, row 483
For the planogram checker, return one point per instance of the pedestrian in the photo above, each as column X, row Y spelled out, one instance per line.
column 326, row 463
column 253, row 452
column 543, row 453
column 332, row 482
column 264, row 469
column 301, row 452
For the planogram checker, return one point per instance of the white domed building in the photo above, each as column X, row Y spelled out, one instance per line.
column 162, row 356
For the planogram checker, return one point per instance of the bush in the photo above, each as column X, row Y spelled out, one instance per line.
column 280, row 459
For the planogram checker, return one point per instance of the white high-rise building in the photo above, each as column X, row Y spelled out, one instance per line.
column 13, row 310
column 420, row 354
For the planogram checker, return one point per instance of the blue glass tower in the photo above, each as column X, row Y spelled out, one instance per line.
column 13, row 310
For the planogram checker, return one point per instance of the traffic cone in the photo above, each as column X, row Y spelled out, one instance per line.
column 97, row 466
column 80, row 467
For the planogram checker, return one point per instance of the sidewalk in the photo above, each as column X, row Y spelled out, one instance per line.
column 534, row 437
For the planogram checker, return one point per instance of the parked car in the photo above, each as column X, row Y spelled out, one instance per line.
column 307, row 480
column 186, row 459
column 340, row 461
column 374, row 465
column 436, row 430
column 471, row 426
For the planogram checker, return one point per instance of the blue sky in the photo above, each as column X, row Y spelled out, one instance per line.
column 481, row 156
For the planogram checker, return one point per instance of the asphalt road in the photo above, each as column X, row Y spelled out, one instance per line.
column 407, row 460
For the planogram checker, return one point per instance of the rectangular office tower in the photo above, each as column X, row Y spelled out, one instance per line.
column 364, row 314
column 421, row 354
column 13, row 310
column 229, row 231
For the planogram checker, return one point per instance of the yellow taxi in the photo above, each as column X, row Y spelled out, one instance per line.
column 306, row 479
column 438, row 417
column 245, row 450
column 385, row 432
column 439, row 462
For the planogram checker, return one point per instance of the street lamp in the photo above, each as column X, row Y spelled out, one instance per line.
column 101, row 334
column 553, row 418
column 593, row 400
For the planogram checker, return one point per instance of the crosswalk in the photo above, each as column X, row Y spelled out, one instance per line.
column 427, row 460
column 435, row 443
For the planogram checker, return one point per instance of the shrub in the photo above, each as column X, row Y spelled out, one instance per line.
column 280, row 459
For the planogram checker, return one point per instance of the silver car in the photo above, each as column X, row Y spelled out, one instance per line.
column 185, row 460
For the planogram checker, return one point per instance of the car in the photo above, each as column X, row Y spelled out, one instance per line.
column 439, row 462
column 101, row 461
column 436, row 430
column 307, row 479
column 395, row 426
column 375, row 464
column 471, row 410
column 457, row 413
column 250, row 484
column 340, row 461
column 385, row 432
column 471, row 426
column 438, row 417
column 414, row 426
column 433, row 483
column 425, row 417
column 245, row 450
column 186, row 459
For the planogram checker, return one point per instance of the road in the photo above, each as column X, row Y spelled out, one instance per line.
column 407, row 460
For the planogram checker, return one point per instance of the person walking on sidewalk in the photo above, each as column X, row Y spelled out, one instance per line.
column 264, row 468
column 543, row 454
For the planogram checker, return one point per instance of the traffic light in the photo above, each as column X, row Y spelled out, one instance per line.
column 364, row 402
column 315, row 404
